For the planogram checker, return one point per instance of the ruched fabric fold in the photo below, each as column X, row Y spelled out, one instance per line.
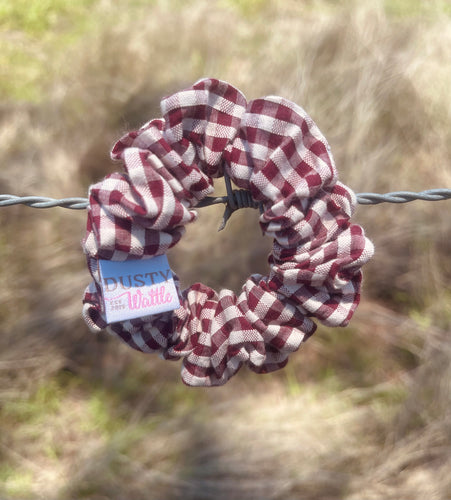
column 272, row 148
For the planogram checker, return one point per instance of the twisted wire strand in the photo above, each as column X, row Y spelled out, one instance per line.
column 6, row 200
column 78, row 203
column 403, row 196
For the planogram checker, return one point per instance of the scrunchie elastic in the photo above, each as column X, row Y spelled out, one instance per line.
column 272, row 148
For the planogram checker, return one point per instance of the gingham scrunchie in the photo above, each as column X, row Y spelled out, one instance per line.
column 272, row 148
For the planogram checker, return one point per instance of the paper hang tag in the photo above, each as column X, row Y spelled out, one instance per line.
column 136, row 288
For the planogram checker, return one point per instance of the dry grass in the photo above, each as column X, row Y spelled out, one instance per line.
column 358, row 413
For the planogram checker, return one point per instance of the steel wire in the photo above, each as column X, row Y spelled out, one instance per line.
column 78, row 203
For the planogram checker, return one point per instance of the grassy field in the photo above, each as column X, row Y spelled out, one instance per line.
column 361, row 412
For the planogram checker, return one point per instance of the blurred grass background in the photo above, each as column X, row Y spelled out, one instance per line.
column 361, row 412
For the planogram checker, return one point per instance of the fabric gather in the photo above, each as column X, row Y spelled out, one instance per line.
column 271, row 147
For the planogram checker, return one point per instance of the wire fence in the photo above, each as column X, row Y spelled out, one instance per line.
column 77, row 203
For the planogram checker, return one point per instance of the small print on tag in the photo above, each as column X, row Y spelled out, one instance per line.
column 136, row 288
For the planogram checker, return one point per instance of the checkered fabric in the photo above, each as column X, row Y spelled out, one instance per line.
column 272, row 148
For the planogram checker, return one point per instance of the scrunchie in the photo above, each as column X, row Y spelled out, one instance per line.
column 272, row 148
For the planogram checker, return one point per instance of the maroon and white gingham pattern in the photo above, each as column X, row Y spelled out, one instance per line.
column 271, row 147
